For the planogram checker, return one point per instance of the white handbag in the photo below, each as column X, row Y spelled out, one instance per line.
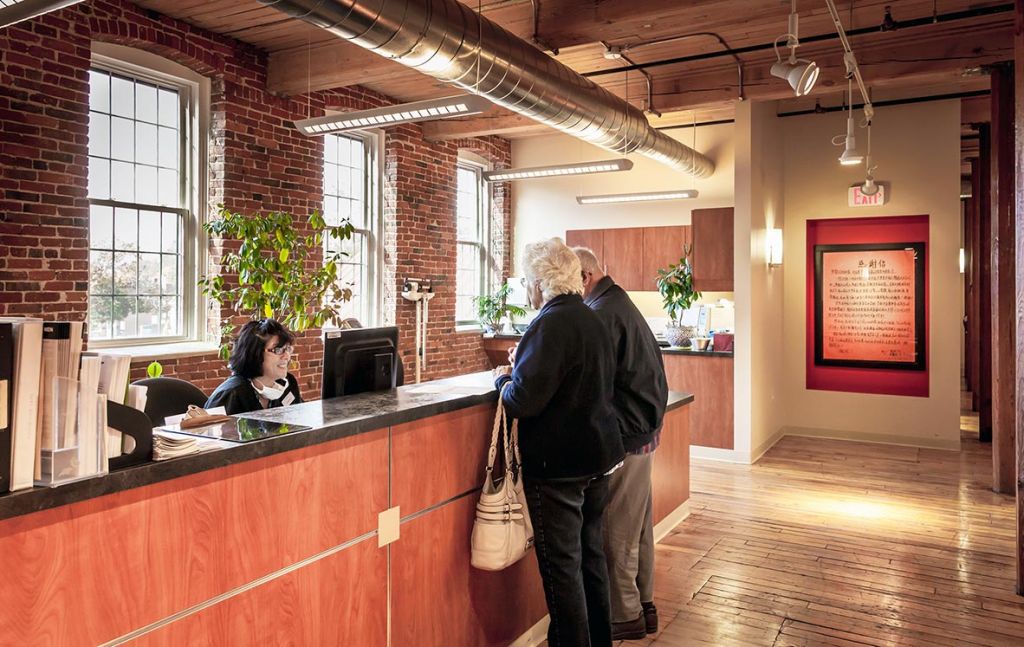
column 502, row 532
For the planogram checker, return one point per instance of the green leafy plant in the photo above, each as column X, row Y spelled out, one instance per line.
column 276, row 278
column 490, row 309
column 675, row 283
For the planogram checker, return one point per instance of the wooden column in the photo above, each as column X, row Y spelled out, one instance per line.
column 1018, row 49
column 1004, row 319
column 974, row 285
column 984, row 283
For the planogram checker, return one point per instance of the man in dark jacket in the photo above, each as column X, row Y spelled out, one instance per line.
column 640, row 396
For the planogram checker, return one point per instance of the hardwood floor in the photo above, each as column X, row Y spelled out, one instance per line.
column 839, row 543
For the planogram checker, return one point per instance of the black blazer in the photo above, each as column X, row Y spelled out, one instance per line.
column 237, row 396
column 641, row 390
column 561, row 392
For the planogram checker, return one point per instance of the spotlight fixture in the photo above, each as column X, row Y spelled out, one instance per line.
column 13, row 11
column 583, row 168
column 801, row 74
column 888, row 23
column 459, row 106
column 850, row 156
column 637, row 197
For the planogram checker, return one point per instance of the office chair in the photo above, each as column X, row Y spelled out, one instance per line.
column 169, row 396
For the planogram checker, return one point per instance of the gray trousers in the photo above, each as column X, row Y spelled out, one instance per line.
column 629, row 537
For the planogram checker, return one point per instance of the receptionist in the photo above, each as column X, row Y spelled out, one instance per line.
column 259, row 370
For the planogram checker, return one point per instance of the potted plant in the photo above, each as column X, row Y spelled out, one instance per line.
column 675, row 284
column 491, row 309
column 268, row 270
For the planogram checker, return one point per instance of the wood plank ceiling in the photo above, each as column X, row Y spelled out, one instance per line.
column 968, row 33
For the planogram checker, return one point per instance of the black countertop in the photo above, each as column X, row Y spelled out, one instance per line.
column 328, row 420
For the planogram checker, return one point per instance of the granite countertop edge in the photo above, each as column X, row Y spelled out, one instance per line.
column 23, row 502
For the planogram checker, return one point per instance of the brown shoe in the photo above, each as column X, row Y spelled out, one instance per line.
column 650, row 617
column 631, row 630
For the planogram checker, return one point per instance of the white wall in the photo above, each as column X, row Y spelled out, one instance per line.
column 917, row 149
column 547, row 207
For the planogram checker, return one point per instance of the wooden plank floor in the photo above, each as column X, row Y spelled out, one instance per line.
column 827, row 542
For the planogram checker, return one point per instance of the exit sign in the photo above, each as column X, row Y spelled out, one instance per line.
column 859, row 199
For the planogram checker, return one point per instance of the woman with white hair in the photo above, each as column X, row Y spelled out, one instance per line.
column 561, row 391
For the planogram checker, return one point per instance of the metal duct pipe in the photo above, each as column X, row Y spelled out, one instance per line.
column 452, row 43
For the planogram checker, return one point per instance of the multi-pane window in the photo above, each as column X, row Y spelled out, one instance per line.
column 139, row 216
column 471, row 234
column 350, row 185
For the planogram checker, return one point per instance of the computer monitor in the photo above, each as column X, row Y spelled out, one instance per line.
column 360, row 359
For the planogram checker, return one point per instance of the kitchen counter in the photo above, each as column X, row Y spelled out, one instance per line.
column 496, row 348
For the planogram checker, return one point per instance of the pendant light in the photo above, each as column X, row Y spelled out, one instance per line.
column 850, row 156
column 801, row 74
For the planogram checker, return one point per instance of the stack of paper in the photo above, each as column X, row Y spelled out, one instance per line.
column 62, row 348
column 170, row 445
column 114, row 384
column 28, row 348
column 92, row 415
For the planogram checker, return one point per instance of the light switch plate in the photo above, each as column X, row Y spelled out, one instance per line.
column 387, row 526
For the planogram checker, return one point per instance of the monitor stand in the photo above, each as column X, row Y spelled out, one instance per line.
column 383, row 377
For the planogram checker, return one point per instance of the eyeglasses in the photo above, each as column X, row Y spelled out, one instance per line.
column 282, row 350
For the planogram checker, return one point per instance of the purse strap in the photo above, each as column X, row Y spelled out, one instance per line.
column 510, row 439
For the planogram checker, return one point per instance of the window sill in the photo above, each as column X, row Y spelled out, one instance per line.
column 156, row 352
column 468, row 328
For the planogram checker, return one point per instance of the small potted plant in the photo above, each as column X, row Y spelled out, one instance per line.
column 675, row 284
column 491, row 309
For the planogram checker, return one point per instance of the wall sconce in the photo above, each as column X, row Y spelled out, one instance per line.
column 774, row 247
column 963, row 260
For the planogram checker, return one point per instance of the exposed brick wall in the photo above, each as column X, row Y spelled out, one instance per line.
column 256, row 162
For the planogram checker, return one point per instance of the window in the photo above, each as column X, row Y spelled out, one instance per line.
column 350, row 190
column 141, row 225
column 471, row 235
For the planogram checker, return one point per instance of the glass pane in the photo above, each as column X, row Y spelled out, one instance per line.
column 331, row 149
column 100, row 309
column 101, row 227
column 101, row 277
column 145, row 102
column 99, row 134
column 145, row 143
column 169, row 324
column 145, row 184
column 122, row 139
column 149, row 231
column 125, row 317
column 149, row 316
column 356, row 183
column 99, row 178
column 169, row 108
column 122, row 96
column 126, row 229
column 344, row 150
column 330, row 180
column 331, row 210
column 126, row 272
column 170, row 233
column 99, row 91
column 344, row 182
column 169, row 274
column 122, row 181
column 169, row 188
column 168, row 148
column 149, row 274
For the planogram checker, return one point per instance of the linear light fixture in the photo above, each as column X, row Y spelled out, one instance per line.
column 583, row 168
column 637, row 197
column 402, row 113
column 12, row 11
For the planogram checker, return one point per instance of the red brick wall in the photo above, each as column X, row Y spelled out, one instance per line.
column 257, row 162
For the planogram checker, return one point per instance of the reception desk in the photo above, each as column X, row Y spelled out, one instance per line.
column 284, row 540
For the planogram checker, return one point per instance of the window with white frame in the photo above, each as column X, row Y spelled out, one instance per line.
column 142, row 228
column 472, row 252
column 350, row 190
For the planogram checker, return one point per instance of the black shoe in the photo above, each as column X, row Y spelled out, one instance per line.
column 631, row 630
column 650, row 617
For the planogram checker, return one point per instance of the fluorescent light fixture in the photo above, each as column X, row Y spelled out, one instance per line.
column 637, row 197
column 13, row 11
column 583, row 168
column 774, row 247
column 445, row 108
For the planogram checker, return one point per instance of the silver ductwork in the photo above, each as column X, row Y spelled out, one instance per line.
column 452, row 43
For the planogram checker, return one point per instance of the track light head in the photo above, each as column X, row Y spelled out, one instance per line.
column 801, row 74
column 850, row 156
column 888, row 22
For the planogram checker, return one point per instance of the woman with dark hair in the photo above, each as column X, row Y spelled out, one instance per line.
column 259, row 370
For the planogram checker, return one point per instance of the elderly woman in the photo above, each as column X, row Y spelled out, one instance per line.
column 560, row 389
column 259, row 370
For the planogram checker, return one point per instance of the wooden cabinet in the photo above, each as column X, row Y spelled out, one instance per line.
column 710, row 380
column 590, row 238
column 663, row 246
column 623, row 250
column 712, row 250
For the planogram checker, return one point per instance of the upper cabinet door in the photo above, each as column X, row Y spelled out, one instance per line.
column 663, row 246
column 712, row 250
column 590, row 238
column 623, row 257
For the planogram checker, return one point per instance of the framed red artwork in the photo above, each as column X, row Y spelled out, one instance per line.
column 867, row 305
